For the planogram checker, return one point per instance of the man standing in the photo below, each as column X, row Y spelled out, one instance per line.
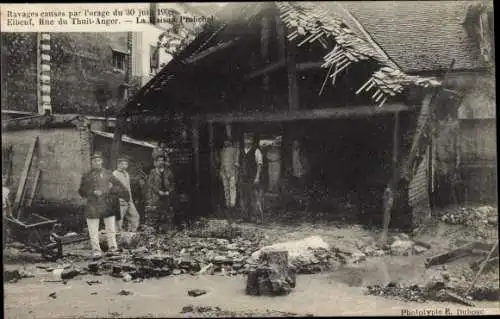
column 97, row 186
column 229, row 163
column 249, row 179
column 160, row 150
column 161, row 187
column 127, row 206
column 299, row 166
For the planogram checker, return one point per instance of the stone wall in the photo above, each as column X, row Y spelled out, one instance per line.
column 81, row 70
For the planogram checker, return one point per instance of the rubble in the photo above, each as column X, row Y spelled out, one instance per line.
column 13, row 276
column 413, row 293
column 471, row 216
column 440, row 286
column 124, row 292
column 196, row 292
column 208, row 311
column 402, row 247
column 309, row 255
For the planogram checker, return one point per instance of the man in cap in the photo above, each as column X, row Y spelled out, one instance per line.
column 250, row 192
column 127, row 207
column 162, row 149
column 99, row 186
column 161, row 187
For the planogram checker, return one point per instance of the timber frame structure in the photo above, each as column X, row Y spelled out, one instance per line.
column 248, row 67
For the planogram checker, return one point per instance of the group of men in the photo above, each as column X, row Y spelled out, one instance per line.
column 109, row 197
column 240, row 172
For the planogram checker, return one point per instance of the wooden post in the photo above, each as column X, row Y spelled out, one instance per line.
column 293, row 94
column 280, row 37
column 24, row 176
column 213, row 174
column 121, row 119
column 196, row 149
column 392, row 187
column 264, row 50
column 117, row 140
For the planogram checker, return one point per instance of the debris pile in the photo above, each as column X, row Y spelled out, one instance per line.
column 13, row 276
column 397, row 245
column 215, row 228
column 306, row 256
column 471, row 216
column 208, row 311
column 436, row 286
column 394, row 290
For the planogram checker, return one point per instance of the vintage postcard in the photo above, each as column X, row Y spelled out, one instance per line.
column 249, row 159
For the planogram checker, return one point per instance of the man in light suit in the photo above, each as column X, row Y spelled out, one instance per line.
column 127, row 207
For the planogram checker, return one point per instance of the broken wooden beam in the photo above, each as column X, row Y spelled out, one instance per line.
column 449, row 256
column 304, row 66
column 267, row 69
column 24, row 176
column 34, row 188
column 459, row 299
column 481, row 269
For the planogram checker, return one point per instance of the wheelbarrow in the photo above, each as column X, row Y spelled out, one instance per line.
column 38, row 233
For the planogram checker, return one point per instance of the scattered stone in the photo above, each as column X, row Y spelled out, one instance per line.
column 401, row 247
column 196, row 292
column 176, row 272
column 93, row 267
column 70, row 273
column 419, row 249
column 125, row 293
column 93, row 293
column 53, row 295
column 186, row 309
column 93, row 282
column 358, row 257
column 127, row 277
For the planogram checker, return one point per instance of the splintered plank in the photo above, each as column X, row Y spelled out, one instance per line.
column 24, row 176
column 34, row 189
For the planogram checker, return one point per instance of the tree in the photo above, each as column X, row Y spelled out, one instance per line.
column 180, row 32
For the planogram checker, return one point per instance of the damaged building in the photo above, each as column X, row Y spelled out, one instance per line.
column 358, row 91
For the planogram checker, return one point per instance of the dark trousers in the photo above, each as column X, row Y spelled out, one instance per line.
column 250, row 196
column 160, row 216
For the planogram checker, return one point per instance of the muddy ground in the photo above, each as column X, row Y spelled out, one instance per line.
column 339, row 292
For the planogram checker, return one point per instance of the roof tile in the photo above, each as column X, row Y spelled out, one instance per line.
column 420, row 35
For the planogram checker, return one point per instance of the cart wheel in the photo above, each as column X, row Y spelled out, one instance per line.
column 51, row 252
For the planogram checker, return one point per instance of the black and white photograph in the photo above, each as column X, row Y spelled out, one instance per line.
column 249, row 159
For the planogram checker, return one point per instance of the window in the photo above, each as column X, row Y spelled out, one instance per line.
column 119, row 61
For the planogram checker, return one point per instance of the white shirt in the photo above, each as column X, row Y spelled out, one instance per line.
column 124, row 178
column 5, row 196
column 258, row 155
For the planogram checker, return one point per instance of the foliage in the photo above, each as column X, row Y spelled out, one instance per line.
column 82, row 77
column 179, row 33
column 19, row 88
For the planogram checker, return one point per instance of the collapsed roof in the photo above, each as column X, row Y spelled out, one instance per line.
column 349, row 33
